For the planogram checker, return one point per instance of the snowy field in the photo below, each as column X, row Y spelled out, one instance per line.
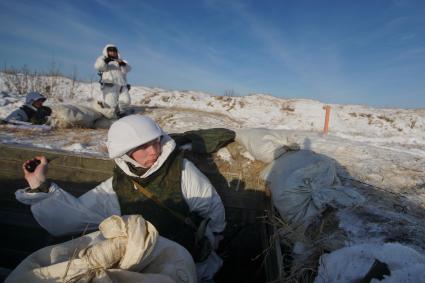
column 383, row 150
column 384, row 147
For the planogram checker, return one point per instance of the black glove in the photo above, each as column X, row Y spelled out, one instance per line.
column 45, row 111
column 122, row 63
column 107, row 59
column 41, row 115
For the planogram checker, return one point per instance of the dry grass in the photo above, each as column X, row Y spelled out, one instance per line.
column 364, row 115
column 319, row 237
column 241, row 168
column 385, row 118
column 164, row 120
column 223, row 98
column 287, row 108
column 165, row 98
column 368, row 116
column 145, row 101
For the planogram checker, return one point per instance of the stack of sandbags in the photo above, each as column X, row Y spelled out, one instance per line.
column 264, row 144
column 126, row 249
column 302, row 182
column 73, row 115
column 306, row 192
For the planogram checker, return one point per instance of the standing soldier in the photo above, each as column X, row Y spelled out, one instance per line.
column 113, row 81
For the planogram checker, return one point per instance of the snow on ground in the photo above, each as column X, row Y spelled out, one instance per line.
column 381, row 147
column 384, row 147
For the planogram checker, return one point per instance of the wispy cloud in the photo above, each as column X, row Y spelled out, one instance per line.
column 316, row 66
column 213, row 45
column 174, row 72
column 41, row 24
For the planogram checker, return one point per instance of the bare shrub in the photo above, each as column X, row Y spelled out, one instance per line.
column 23, row 80
column 229, row 93
column 17, row 80
column 73, row 83
column 165, row 98
column 286, row 107
column 223, row 98
column 146, row 100
column 364, row 115
column 368, row 116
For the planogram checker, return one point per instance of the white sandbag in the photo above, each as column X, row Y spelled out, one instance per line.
column 71, row 115
column 103, row 123
column 264, row 144
column 105, row 110
column 303, row 183
column 351, row 264
column 126, row 249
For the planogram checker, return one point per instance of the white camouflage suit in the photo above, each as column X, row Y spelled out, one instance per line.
column 115, row 96
column 61, row 213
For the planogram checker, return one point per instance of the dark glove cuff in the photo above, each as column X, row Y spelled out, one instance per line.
column 43, row 188
column 122, row 64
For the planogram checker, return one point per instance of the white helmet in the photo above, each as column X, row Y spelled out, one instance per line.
column 130, row 132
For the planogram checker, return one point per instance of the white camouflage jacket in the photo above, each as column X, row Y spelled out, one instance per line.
column 112, row 72
column 61, row 213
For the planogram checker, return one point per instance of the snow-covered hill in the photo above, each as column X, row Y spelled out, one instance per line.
column 356, row 122
column 384, row 147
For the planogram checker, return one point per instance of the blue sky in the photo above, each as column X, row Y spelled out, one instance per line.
column 357, row 52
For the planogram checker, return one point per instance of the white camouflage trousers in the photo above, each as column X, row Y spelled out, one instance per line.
column 116, row 97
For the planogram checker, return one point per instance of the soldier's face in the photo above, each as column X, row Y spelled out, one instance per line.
column 147, row 154
column 113, row 54
column 38, row 103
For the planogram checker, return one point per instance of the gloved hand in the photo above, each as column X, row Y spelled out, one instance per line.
column 121, row 62
column 36, row 178
column 108, row 59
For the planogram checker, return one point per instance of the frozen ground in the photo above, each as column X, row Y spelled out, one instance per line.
column 383, row 147
column 383, row 150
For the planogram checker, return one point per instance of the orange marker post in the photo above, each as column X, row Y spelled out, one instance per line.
column 328, row 113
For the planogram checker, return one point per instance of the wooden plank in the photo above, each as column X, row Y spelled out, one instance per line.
column 64, row 165
column 273, row 259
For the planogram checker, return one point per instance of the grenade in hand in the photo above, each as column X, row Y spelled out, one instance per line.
column 30, row 166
